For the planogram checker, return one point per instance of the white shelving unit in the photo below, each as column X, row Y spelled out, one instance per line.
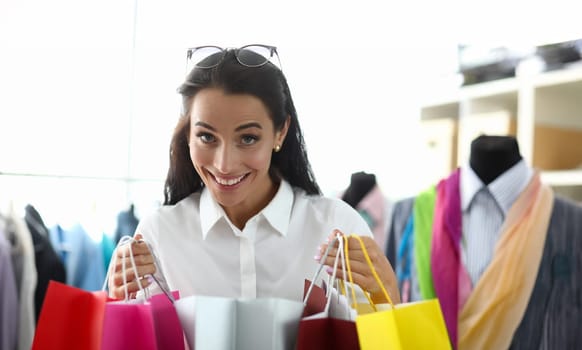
column 543, row 111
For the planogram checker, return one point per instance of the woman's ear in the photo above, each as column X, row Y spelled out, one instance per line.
column 281, row 134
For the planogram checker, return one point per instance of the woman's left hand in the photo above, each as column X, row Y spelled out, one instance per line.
column 361, row 273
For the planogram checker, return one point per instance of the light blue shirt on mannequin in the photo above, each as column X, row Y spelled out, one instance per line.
column 484, row 210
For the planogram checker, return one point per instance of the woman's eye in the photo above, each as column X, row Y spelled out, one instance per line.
column 205, row 137
column 249, row 139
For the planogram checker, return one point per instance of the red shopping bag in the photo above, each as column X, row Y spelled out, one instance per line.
column 316, row 301
column 327, row 333
column 332, row 325
column 320, row 331
column 70, row 318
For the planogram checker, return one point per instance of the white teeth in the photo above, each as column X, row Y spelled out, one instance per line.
column 229, row 182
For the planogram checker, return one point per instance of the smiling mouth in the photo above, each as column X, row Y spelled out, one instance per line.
column 229, row 182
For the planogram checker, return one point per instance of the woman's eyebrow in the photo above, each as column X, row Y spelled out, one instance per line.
column 248, row 125
column 204, row 125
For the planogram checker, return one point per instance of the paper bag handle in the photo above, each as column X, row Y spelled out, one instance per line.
column 332, row 279
column 370, row 265
column 320, row 268
column 129, row 240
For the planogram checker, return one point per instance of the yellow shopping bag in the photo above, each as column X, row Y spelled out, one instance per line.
column 415, row 325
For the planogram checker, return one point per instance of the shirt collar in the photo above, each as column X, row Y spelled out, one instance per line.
column 470, row 184
column 505, row 188
column 210, row 212
column 277, row 212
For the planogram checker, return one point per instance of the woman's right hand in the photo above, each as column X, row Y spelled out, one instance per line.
column 144, row 262
column 360, row 269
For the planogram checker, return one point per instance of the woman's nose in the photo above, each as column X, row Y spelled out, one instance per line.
column 224, row 159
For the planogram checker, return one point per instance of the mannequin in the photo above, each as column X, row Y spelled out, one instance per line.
column 364, row 195
column 360, row 185
column 491, row 156
column 553, row 312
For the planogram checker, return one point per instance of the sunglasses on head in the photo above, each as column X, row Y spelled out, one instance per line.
column 252, row 56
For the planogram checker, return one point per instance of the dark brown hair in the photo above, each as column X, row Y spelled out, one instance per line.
column 267, row 83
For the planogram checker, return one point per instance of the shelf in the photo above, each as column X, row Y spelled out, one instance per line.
column 543, row 111
column 508, row 87
column 572, row 75
column 444, row 110
column 490, row 88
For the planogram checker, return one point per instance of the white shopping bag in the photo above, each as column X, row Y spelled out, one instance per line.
column 218, row 323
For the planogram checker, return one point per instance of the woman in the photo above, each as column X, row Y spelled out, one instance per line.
column 243, row 215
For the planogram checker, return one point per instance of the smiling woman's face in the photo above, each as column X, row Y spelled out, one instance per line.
column 232, row 138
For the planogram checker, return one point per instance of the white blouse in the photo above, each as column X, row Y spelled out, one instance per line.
column 202, row 253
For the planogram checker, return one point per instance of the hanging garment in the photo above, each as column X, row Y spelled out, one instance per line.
column 375, row 209
column 554, row 313
column 25, row 276
column 401, row 211
column 81, row 255
column 9, row 315
column 126, row 223
column 554, row 310
column 48, row 264
column 498, row 301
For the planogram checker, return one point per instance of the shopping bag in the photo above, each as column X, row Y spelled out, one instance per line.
column 317, row 300
column 333, row 327
column 128, row 325
column 169, row 334
column 415, row 325
column 142, row 324
column 220, row 323
column 327, row 333
column 70, row 318
column 147, row 322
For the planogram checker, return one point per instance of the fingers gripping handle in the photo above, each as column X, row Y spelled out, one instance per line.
column 370, row 265
column 161, row 282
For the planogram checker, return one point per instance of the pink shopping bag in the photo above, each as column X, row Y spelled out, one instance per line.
column 145, row 325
